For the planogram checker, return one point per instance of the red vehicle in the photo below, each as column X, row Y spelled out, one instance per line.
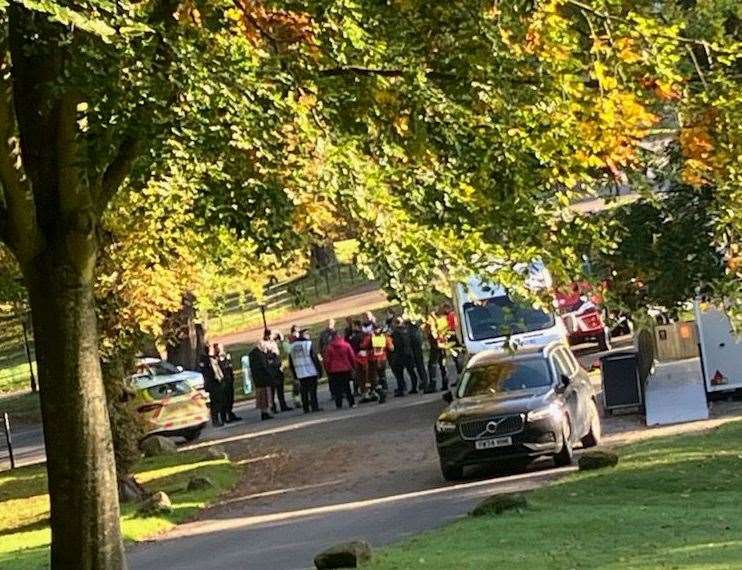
column 580, row 312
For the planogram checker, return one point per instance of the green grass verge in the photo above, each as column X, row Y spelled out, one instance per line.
column 22, row 408
column 24, row 504
column 671, row 503
column 240, row 320
column 15, row 374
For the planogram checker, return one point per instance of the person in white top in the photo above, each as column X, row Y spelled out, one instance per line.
column 307, row 369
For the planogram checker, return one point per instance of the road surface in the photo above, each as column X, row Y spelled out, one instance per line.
column 313, row 481
column 369, row 473
column 28, row 441
column 367, row 297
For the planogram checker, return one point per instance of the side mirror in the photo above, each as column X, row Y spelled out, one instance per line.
column 566, row 381
column 447, row 396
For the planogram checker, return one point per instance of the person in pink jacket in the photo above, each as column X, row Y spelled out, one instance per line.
column 340, row 361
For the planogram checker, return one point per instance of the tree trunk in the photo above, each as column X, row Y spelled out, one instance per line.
column 80, row 459
column 182, row 345
column 322, row 255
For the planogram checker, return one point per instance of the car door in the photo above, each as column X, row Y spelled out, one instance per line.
column 573, row 394
column 583, row 388
column 570, row 394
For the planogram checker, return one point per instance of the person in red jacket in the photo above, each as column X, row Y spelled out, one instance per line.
column 339, row 361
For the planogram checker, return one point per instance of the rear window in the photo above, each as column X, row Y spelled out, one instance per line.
column 505, row 376
column 169, row 390
column 500, row 316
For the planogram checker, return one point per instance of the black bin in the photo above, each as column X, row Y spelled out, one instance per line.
column 623, row 385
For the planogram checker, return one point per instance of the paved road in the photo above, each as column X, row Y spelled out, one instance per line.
column 396, row 493
column 288, row 541
column 366, row 297
column 29, row 440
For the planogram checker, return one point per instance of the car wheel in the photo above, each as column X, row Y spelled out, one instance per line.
column 564, row 457
column 593, row 436
column 192, row 434
column 452, row 472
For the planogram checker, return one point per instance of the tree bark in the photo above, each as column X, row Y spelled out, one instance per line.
column 80, row 458
column 322, row 255
column 182, row 345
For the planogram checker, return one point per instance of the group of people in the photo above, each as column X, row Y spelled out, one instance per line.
column 355, row 361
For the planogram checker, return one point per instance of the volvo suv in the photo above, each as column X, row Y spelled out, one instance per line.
column 533, row 402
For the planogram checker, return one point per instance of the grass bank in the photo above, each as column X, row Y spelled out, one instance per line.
column 23, row 408
column 670, row 503
column 15, row 373
column 24, row 504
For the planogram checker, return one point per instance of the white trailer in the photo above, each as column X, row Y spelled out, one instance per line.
column 721, row 350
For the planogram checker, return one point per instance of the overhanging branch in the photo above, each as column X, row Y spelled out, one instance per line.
column 608, row 16
column 18, row 228
column 377, row 71
column 117, row 171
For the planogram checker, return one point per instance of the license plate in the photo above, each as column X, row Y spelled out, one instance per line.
column 495, row 442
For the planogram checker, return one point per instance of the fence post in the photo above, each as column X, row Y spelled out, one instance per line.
column 8, row 439
column 34, row 386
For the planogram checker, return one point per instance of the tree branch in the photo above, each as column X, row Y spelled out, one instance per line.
column 607, row 16
column 19, row 228
column 131, row 146
column 376, row 71
column 697, row 66
column 117, row 171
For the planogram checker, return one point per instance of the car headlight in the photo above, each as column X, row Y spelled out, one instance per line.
column 551, row 411
column 443, row 426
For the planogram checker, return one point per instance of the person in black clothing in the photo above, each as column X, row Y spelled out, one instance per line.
column 416, row 347
column 263, row 378
column 225, row 363
column 402, row 358
column 348, row 330
column 355, row 338
column 273, row 354
column 213, row 384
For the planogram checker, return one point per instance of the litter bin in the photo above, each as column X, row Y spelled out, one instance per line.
column 623, row 386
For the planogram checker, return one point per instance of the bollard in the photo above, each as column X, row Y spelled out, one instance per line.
column 8, row 439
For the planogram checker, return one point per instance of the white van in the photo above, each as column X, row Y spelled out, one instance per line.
column 488, row 319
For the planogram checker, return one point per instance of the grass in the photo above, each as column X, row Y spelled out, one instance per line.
column 670, row 503
column 15, row 375
column 242, row 319
column 22, row 408
column 24, row 504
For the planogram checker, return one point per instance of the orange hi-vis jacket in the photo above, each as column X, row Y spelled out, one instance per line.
column 377, row 346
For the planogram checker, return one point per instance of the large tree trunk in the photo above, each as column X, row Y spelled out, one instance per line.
column 80, row 458
column 322, row 255
column 182, row 337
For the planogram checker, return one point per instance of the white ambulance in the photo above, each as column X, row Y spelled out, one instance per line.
column 489, row 319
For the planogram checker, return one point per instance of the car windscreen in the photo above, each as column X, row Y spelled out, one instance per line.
column 505, row 376
column 500, row 316
column 169, row 390
column 163, row 368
